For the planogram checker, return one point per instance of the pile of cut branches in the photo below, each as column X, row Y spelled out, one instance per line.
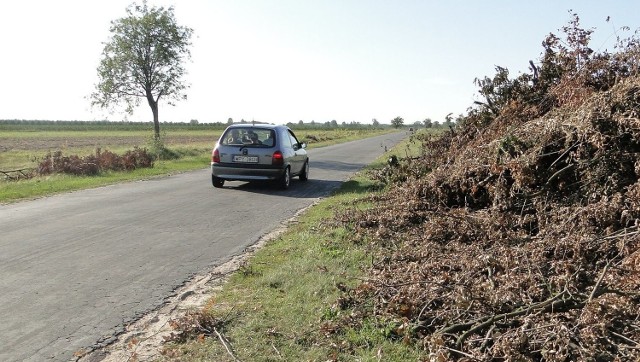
column 102, row 160
column 522, row 242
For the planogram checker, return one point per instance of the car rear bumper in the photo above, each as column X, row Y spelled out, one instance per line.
column 229, row 172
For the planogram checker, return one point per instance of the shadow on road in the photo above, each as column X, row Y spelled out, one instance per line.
column 299, row 189
column 312, row 188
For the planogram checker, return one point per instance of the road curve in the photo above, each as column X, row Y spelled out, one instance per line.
column 77, row 267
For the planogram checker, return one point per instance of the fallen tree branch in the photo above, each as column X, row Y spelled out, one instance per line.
column 487, row 338
column 546, row 184
column 489, row 321
column 597, row 286
column 564, row 154
column 623, row 233
column 633, row 343
column 556, row 304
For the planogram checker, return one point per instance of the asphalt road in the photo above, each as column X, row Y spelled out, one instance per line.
column 77, row 268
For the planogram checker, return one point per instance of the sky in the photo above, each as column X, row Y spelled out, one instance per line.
column 280, row 61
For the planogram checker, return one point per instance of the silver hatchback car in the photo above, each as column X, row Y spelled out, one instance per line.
column 259, row 152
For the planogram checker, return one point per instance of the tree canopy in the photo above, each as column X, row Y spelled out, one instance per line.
column 143, row 59
column 397, row 122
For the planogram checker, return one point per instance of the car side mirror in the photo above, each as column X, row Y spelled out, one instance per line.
column 303, row 145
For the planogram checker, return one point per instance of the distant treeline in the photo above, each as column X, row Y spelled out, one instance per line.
column 42, row 125
column 333, row 125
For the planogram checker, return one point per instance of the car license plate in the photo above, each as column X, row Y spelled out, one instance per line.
column 245, row 159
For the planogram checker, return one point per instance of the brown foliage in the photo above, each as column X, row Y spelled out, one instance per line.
column 523, row 241
column 193, row 325
column 94, row 164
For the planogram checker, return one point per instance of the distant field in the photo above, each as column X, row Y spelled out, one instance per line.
column 22, row 147
column 50, row 140
column 33, row 139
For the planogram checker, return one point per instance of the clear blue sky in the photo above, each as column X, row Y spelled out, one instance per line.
column 288, row 60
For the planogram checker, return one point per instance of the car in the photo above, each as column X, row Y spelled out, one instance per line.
column 259, row 152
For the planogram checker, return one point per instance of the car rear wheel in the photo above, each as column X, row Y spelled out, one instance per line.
column 304, row 175
column 285, row 181
column 217, row 182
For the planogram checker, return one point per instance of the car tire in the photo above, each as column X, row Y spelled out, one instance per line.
column 304, row 175
column 285, row 181
column 217, row 182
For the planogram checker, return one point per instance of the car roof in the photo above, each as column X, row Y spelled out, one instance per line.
column 256, row 125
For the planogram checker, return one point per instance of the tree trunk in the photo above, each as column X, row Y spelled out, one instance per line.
column 156, row 122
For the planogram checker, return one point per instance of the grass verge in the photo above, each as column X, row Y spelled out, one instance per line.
column 279, row 304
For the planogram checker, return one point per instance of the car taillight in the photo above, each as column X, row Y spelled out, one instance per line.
column 215, row 156
column 277, row 159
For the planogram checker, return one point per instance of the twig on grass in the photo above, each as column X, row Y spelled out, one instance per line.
column 277, row 352
column 226, row 344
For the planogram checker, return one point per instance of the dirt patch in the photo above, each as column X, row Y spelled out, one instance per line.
column 61, row 143
column 105, row 141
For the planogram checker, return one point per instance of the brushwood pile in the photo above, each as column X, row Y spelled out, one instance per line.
column 515, row 235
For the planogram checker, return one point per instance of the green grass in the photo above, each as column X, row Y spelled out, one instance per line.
column 274, row 307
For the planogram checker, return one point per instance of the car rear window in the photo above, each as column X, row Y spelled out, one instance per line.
column 250, row 137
